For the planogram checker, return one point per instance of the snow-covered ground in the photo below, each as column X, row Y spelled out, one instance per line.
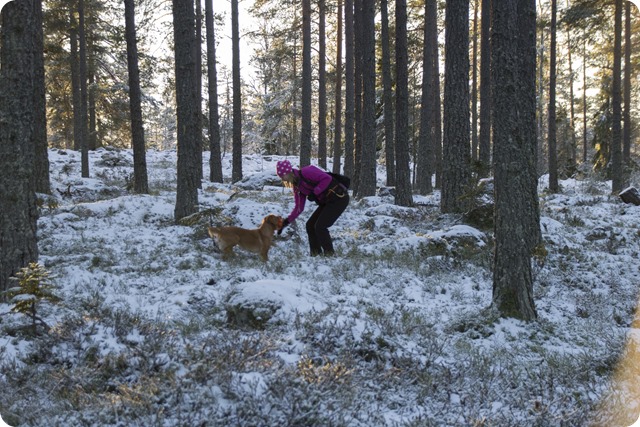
column 394, row 331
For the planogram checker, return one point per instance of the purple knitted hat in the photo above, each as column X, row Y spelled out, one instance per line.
column 283, row 167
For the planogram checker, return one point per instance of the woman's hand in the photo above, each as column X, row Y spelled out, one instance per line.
column 284, row 224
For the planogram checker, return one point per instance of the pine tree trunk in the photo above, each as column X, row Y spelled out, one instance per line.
column 349, row 89
column 198, row 80
column 18, row 211
column 215, row 161
column 551, row 126
column 337, row 131
column 474, row 86
column 42, row 183
column 427, row 131
column 513, row 52
column 368, row 164
column 357, row 96
column 456, row 176
column 84, row 100
column 387, row 84
column 436, row 143
column 236, row 172
column 140, row 181
column 626, row 135
column 403, row 196
column 305, row 130
column 188, row 114
column 75, row 80
column 322, row 88
column 617, row 174
column 484, row 143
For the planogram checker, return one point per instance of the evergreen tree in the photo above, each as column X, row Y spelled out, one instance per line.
column 188, row 112
column 215, row 161
column 367, row 184
column 18, row 62
column 387, row 84
column 403, row 196
column 456, row 177
column 513, row 54
column 140, row 181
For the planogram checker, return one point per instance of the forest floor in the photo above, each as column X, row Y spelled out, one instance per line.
column 394, row 331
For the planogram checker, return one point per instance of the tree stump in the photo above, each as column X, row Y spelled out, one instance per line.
column 630, row 195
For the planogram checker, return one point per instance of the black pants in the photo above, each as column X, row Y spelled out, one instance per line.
column 320, row 221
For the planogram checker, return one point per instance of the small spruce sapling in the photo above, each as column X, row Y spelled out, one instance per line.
column 33, row 287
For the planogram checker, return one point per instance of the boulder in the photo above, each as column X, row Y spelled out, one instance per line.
column 630, row 195
column 253, row 305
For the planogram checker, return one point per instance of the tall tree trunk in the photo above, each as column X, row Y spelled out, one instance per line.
column 75, row 80
column 367, row 185
column 93, row 130
column 322, row 87
column 140, row 182
column 456, row 176
column 18, row 211
column 513, row 53
column 188, row 115
column 198, row 56
column 403, row 196
column 349, row 89
column 305, row 130
column 617, row 174
column 551, row 126
column 215, row 161
column 484, row 143
column 236, row 172
column 626, row 135
column 425, row 144
column 572, row 104
column 436, row 143
column 474, row 85
column 585, row 146
column 337, row 132
column 387, row 84
column 82, row 75
column 357, row 86
column 42, row 183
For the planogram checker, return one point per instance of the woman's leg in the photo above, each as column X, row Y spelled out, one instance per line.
column 326, row 218
column 314, row 243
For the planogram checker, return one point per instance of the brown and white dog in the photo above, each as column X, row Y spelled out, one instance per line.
column 257, row 240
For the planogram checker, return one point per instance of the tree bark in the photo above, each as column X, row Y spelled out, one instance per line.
column 551, row 126
column 82, row 75
column 456, row 176
column 484, row 142
column 427, row 134
column 18, row 211
column 337, row 131
column 349, row 89
column 42, row 183
column 403, row 196
column 305, row 130
column 367, row 185
column 617, row 175
column 322, row 87
column 387, row 84
column 188, row 115
column 513, row 54
column 215, row 161
column 140, row 181
column 626, row 134
column 236, row 172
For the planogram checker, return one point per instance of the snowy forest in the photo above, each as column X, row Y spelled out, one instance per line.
column 486, row 268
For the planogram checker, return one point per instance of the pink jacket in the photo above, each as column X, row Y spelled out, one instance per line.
column 315, row 181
